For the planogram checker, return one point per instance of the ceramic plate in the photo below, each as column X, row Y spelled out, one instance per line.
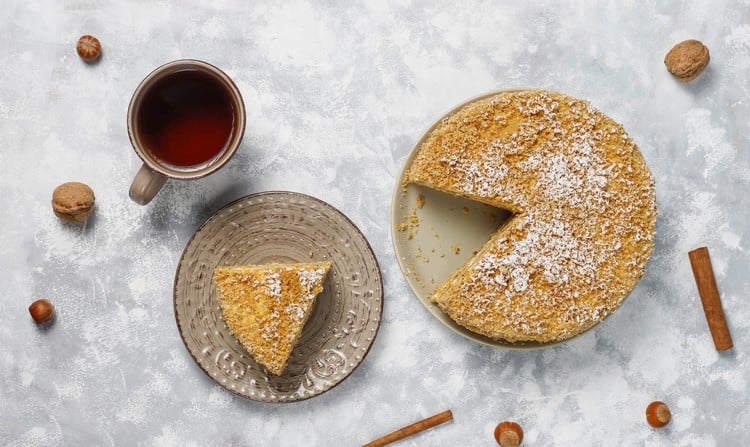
column 281, row 227
column 435, row 239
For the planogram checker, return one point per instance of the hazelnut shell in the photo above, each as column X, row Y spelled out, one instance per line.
column 508, row 434
column 658, row 414
column 88, row 48
column 42, row 311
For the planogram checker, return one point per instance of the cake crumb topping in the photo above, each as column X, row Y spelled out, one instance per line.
column 584, row 213
column 267, row 306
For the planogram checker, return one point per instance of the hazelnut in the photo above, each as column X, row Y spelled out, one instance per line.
column 73, row 201
column 687, row 59
column 658, row 414
column 42, row 311
column 88, row 48
column 508, row 434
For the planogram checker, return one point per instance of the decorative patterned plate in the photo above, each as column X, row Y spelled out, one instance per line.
column 281, row 227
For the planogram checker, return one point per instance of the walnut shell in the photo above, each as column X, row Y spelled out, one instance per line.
column 687, row 59
column 73, row 201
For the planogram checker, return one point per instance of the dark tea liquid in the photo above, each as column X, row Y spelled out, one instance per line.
column 186, row 119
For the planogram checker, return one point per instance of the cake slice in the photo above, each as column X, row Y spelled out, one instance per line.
column 266, row 306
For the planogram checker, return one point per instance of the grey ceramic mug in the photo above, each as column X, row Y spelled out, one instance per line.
column 154, row 173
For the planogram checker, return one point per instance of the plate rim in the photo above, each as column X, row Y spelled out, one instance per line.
column 431, row 307
column 380, row 296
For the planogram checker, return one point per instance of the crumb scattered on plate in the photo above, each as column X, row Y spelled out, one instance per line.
column 409, row 224
column 422, row 257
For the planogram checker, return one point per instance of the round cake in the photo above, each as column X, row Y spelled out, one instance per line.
column 583, row 213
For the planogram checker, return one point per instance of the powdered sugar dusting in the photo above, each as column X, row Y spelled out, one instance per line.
column 309, row 278
column 273, row 284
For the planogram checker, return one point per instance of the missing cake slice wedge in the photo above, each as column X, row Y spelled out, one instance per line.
column 266, row 306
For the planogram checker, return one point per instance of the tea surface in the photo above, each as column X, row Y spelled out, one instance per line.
column 186, row 119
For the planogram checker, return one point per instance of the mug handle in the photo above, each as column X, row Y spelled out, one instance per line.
column 146, row 184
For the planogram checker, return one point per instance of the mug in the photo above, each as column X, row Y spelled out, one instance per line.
column 186, row 120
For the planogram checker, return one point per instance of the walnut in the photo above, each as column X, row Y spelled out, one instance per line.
column 687, row 60
column 73, row 201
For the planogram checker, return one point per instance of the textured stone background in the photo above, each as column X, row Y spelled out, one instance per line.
column 336, row 94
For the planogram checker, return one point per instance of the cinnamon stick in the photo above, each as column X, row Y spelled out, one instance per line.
column 706, row 282
column 412, row 429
